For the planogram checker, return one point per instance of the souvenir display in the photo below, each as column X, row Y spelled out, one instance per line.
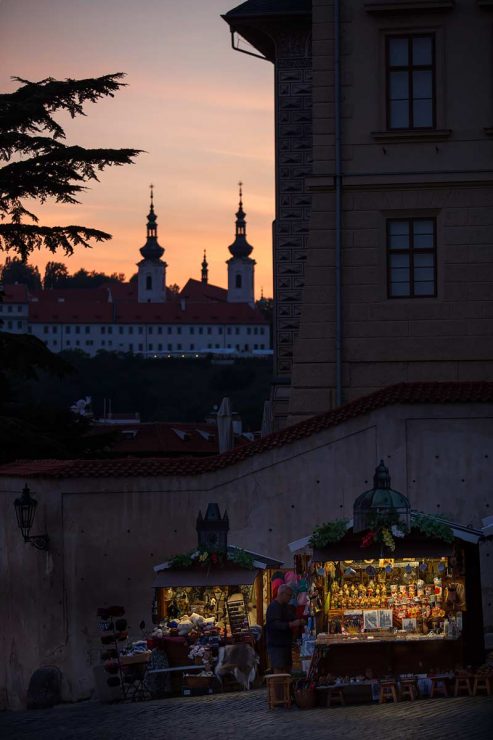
column 393, row 595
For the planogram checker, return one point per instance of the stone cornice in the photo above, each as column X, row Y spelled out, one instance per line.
column 411, row 6
column 404, row 135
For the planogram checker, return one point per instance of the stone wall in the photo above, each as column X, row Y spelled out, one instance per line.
column 106, row 534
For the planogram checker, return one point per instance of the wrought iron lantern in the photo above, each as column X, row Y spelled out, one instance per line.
column 25, row 510
column 381, row 503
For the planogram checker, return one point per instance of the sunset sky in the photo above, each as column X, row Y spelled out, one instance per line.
column 202, row 112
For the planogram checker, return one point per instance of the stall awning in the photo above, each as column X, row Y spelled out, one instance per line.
column 173, row 578
column 430, row 547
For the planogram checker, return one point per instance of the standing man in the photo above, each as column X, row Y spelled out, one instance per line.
column 280, row 618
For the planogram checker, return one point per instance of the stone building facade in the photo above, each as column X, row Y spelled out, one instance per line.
column 402, row 113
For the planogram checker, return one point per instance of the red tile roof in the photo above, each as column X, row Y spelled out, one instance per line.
column 73, row 312
column 201, row 304
column 402, row 393
column 162, row 439
column 191, row 313
column 69, row 295
column 15, row 293
column 198, row 292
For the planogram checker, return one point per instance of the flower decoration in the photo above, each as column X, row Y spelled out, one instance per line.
column 368, row 539
column 212, row 558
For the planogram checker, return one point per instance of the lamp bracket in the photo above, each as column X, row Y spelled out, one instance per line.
column 39, row 541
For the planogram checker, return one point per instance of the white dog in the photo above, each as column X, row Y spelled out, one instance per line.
column 240, row 660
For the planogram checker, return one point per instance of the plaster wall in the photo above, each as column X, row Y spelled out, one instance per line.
column 107, row 534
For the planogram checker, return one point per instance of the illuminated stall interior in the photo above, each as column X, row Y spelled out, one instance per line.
column 394, row 590
column 226, row 586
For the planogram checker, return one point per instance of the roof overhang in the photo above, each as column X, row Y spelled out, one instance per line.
column 203, row 576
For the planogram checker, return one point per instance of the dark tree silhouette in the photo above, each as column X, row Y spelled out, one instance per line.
column 44, row 167
column 56, row 274
column 84, row 279
column 48, row 168
column 16, row 271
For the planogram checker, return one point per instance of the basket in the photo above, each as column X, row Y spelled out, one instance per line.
column 305, row 697
column 197, row 682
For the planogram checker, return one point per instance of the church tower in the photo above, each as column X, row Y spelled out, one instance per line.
column 152, row 269
column 205, row 270
column 241, row 266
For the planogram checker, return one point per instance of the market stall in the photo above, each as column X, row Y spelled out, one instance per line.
column 215, row 595
column 397, row 592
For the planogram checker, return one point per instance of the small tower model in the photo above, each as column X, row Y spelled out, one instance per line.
column 152, row 269
column 240, row 265
column 212, row 530
column 205, row 270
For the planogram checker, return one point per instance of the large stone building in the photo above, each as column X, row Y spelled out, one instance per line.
column 383, row 244
column 144, row 317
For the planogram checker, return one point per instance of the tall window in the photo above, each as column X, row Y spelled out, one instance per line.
column 238, row 281
column 148, row 282
column 411, row 257
column 411, row 82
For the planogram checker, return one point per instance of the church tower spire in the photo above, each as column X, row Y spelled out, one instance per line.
column 240, row 247
column 152, row 269
column 241, row 265
column 205, row 270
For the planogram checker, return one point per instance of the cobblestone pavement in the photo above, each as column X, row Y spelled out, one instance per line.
column 245, row 716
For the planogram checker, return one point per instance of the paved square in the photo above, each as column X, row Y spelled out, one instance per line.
column 244, row 716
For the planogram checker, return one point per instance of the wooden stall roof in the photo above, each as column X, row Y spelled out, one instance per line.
column 349, row 548
column 204, row 576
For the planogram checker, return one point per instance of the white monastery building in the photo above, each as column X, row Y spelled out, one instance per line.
column 144, row 317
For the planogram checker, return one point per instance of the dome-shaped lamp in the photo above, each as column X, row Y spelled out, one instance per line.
column 25, row 510
column 381, row 501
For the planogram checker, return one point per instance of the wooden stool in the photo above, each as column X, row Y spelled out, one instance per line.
column 388, row 690
column 279, row 690
column 481, row 683
column 438, row 686
column 462, row 683
column 409, row 689
column 335, row 694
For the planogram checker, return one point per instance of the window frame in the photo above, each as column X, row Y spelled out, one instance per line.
column 410, row 68
column 411, row 251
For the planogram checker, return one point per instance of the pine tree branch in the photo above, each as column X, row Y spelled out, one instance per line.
column 29, row 108
column 15, row 142
column 23, row 239
column 49, row 175
column 50, row 169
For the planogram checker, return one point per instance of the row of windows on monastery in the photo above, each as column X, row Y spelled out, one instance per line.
column 91, row 346
column 144, row 339
column 143, row 329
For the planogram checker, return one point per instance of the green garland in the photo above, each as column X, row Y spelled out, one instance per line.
column 182, row 561
column 382, row 529
column 430, row 527
column 241, row 558
column 327, row 533
column 204, row 557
